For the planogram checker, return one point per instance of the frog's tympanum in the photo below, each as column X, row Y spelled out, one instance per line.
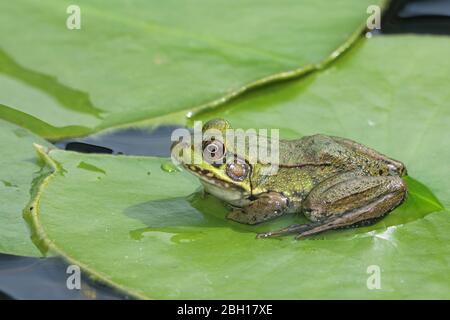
column 335, row 182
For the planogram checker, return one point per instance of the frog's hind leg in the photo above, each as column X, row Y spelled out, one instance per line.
column 347, row 200
column 396, row 167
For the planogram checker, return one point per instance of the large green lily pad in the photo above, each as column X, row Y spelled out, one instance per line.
column 153, row 234
column 144, row 59
column 18, row 168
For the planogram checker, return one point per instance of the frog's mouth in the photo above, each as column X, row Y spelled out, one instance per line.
column 210, row 177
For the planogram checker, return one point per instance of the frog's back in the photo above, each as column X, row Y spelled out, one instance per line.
column 316, row 150
column 337, row 154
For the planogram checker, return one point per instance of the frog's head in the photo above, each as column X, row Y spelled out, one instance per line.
column 222, row 173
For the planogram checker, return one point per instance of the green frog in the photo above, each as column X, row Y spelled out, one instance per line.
column 335, row 182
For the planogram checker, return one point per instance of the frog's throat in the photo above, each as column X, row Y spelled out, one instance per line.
column 235, row 197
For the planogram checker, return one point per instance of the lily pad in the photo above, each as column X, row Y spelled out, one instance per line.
column 152, row 233
column 135, row 61
column 134, row 234
column 18, row 168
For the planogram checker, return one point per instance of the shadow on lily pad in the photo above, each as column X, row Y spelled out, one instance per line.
column 190, row 216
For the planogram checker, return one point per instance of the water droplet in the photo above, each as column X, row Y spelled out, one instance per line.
column 169, row 167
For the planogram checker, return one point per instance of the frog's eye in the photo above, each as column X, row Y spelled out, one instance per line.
column 237, row 170
column 213, row 152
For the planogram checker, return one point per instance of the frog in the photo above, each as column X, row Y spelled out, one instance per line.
column 334, row 182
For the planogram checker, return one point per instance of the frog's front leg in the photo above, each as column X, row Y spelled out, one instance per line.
column 345, row 200
column 267, row 206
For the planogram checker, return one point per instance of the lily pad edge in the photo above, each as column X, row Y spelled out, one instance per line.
column 43, row 242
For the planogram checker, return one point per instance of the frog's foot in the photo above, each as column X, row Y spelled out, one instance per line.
column 239, row 215
column 268, row 206
column 347, row 201
column 292, row 229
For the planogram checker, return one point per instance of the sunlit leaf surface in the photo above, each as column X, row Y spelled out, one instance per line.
column 137, row 60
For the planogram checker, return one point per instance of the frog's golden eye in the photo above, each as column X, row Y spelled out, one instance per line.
column 237, row 170
column 213, row 152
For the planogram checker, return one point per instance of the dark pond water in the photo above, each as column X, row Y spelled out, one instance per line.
column 138, row 142
column 417, row 16
column 32, row 278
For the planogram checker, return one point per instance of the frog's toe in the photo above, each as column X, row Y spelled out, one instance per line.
column 263, row 235
column 292, row 229
column 301, row 236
